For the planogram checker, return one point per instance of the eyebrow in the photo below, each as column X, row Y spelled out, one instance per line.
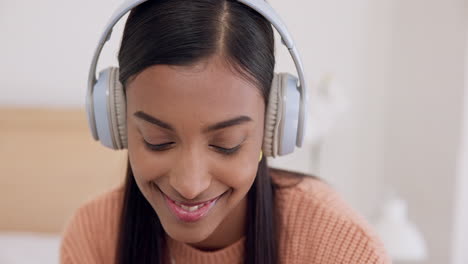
column 220, row 125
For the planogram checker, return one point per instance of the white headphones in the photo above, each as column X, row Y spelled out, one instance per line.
column 285, row 119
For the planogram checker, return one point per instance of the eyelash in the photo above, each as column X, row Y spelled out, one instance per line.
column 165, row 146
column 226, row 151
column 158, row 147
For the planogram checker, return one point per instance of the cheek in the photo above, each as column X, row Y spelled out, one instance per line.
column 239, row 172
column 241, row 179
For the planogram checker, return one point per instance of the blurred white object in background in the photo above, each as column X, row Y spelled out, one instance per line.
column 401, row 238
column 326, row 104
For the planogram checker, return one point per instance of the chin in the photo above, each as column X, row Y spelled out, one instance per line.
column 189, row 235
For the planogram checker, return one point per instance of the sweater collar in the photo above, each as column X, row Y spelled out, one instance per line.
column 184, row 253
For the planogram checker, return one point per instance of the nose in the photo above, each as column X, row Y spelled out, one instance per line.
column 190, row 176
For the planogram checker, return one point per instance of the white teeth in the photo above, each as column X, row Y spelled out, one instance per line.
column 191, row 208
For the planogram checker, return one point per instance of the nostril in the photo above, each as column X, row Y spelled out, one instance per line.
column 189, row 187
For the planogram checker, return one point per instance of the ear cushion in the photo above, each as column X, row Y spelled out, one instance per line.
column 102, row 96
column 118, row 111
column 272, row 117
column 109, row 111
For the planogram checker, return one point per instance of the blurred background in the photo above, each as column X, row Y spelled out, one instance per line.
column 388, row 118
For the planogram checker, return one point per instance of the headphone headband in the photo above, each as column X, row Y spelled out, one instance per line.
column 258, row 5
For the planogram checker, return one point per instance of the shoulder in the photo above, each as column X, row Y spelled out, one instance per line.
column 90, row 234
column 316, row 223
column 306, row 190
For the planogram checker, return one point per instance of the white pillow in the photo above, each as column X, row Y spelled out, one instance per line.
column 29, row 248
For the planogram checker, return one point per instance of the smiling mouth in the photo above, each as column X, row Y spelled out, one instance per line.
column 194, row 206
column 190, row 212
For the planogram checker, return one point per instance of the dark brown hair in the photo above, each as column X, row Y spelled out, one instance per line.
column 183, row 32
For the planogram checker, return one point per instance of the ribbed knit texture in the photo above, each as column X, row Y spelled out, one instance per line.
column 316, row 226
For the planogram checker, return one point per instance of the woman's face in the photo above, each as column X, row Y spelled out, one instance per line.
column 194, row 140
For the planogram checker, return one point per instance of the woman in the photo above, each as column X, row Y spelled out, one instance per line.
column 197, row 77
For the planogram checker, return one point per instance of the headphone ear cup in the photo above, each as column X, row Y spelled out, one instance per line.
column 289, row 122
column 282, row 118
column 109, row 109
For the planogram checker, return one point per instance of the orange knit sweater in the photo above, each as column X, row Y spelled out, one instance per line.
column 317, row 226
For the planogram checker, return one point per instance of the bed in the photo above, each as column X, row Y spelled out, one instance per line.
column 49, row 166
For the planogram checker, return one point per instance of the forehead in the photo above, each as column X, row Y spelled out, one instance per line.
column 209, row 90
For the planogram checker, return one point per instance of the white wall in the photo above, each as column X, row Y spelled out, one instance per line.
column 423, row 113
column 460, row 234
column 46, row 49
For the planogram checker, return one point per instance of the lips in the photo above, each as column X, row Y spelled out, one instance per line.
column 190, row 212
